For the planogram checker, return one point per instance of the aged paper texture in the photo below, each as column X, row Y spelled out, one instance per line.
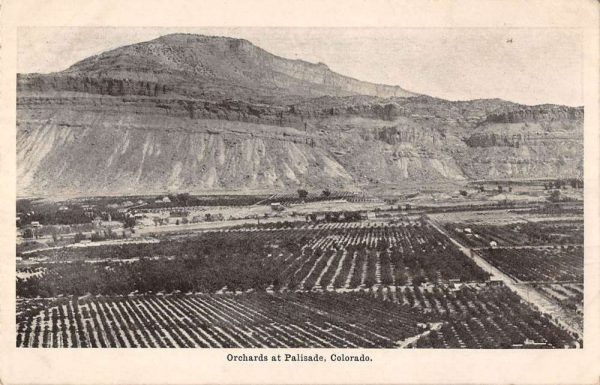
column 299, row 192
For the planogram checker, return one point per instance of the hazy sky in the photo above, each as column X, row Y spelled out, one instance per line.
column 530, row 66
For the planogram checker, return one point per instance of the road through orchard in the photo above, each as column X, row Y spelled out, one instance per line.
column 527, row 293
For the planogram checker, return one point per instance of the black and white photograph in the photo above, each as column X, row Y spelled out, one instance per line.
column 299, row 192
column 207, row 190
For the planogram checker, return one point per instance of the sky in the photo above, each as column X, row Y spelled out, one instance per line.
column 526, row 65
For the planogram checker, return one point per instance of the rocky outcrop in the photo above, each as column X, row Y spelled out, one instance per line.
column 195, row 113
column 33, row 83
column 543, row 113
column 106, row 147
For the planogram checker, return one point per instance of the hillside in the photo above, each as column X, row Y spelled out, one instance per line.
column 197, row 113
column 204, row 66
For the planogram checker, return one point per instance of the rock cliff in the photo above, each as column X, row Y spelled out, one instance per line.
column 197, row 113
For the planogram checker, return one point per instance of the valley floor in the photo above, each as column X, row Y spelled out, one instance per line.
column 504, row 278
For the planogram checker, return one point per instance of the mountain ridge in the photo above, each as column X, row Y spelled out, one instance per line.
column 195, row 113
column 194, row 65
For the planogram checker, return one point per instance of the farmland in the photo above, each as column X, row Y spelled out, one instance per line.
column 540, row 251
column 547, row 264
column 392, row 283
column 315, row 257
column 229, row 321
column 482, row 317
column 569, row 295
column 200, row 192
column 519, row 233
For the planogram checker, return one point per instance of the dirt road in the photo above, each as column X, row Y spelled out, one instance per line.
column 527, row 293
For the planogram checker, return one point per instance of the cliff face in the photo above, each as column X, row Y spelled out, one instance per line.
column 203, row 66
column 106, row 146
column 195, row 113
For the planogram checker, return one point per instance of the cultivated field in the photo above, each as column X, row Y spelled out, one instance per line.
column 311, row 257
column 519, row 234
column 219, row 321
column 401, row 283
column 540, row 264
column 540, row 250
column 471, row 317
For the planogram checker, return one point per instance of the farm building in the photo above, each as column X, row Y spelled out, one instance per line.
column 276, row 206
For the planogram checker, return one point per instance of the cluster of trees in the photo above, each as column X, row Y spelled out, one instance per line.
column 240, row 261
column 550, row 265
column 554, row 208
column 517, row 321
column 500, row 204
column 188, row 200
column 184, row 220
column 101, row 235
column 305, row 195
column 337, row 216
column 75, row 215
column 563, row 183
column 529, row 233
column 202, row 264
column 554, row 196
column 302, row 193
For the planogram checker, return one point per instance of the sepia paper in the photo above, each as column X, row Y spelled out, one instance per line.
column 526, row 52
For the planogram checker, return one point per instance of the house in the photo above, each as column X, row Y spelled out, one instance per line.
column 63, row 208
column 468, row 230
column 276, row 206
column 493, row 244
column 166, row 200
column 35, row 224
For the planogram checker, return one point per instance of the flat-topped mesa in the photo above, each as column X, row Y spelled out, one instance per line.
column 196, row 65
column 201, row 113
